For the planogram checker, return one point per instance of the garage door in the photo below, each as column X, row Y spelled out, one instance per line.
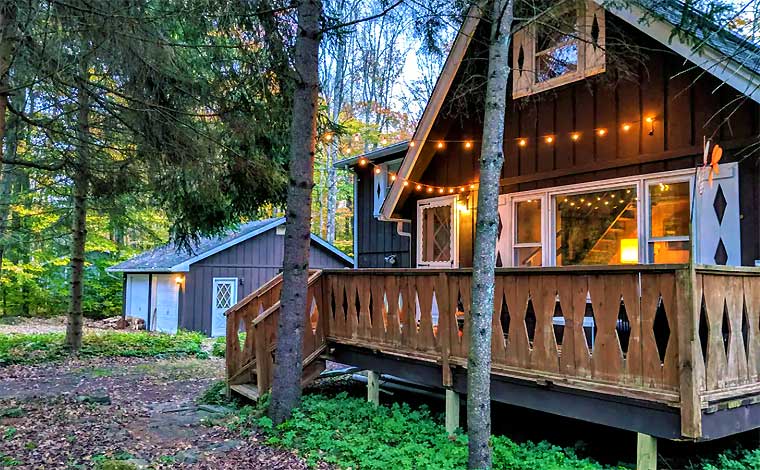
column 166, row 303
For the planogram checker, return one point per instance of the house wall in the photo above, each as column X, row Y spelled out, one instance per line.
column 376, row 239
column 253, row 262
column 682, row 112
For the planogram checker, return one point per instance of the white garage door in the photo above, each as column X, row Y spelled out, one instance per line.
column 137, row 296
column 166, row 303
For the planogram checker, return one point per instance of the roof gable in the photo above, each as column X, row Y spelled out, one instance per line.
column 170, row 258
column 730, row 58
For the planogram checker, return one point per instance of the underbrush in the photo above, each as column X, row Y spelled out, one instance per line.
column 351, row 433
column 219, row 347
column 49, row 347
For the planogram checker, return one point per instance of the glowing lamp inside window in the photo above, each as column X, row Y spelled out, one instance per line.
column 629, row 251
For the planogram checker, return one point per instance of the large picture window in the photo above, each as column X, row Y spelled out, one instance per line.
column 644, row 219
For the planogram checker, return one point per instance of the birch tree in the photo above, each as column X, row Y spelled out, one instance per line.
column 486, row 228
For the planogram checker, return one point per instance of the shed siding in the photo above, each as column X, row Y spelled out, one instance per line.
column 253, row 262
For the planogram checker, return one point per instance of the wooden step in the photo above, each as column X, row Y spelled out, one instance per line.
column 249, row 391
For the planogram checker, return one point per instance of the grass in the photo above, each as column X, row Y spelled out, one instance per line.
column 49, row 347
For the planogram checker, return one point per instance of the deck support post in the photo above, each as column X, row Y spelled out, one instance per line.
column 452, row 411
column 373, row 387
column 646, row 452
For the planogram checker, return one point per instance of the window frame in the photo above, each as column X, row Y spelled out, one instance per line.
column 648, row 238
column 549, row 210
column 441, row 201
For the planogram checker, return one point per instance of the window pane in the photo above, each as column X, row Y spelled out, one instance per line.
column 669, row 210
column 557, row 62
column 529, row 256
column 528, row 221
column 558, row 30
column 669, row 252
column 436, row 234
column 597, row 228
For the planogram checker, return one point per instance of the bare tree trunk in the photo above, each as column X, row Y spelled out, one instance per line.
column 7, row 15
column 337, row 104
column 484, row 256
column 286, row 387
column 78, row 225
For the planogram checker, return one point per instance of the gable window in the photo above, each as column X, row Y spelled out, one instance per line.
column 632, row 220
column 563, row 46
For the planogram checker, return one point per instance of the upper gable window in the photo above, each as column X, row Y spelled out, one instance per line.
column 562, row 48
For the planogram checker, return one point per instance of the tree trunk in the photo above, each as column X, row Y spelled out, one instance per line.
column 337, row 104
column 286, row 387
column 484, row 255
column 78, row 225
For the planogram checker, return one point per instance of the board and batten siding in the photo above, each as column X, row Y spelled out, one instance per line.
column 376, row 239
column 253, row 262
column 682, row 113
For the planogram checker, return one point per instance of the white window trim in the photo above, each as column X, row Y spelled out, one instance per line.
column 439, row 202
column 382, row 179
column 548, row 212
column 235, row 281
column 512, row 227
column 648, row 238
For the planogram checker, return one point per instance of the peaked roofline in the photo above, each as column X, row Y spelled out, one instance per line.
column 185, row 265
column 722, row 66
column 433, row 107
column 373, row 155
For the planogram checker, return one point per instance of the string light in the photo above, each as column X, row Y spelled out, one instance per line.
column 522, row 142
column 626, row 127
column 601, row 132
column 430, row 190
column 411, row 143
column 549, row 139
column 363, row 162
column 468, row 145
column 575, row 136
column 406, row 183
column 378, row 171
column 440, row 145
column 393, row 177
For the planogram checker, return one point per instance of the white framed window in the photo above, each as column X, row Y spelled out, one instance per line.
column 379, row 187
column 437, row 233
column 641, row 219
column 565, row 45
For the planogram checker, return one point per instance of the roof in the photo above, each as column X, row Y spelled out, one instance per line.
column 729, row 57
column 171, row 258
column 374, row 155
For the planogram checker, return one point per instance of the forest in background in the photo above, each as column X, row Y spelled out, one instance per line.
column 368, row 99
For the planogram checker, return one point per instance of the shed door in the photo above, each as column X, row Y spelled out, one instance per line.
column 166, row 305
column 223, row 296
column 137, row 296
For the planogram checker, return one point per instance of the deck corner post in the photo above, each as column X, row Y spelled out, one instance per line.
column 646, row 452
column 373, row 387
column 452, row 411
column 690, row 367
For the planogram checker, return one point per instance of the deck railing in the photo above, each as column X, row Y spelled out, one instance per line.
column 669, row 334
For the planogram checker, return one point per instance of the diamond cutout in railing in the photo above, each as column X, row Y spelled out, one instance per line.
column 460, row 313
column 623, row 328
column 500, row 229
column 530, row 321
column 661, row 330
column 745, row 330
column 725, row 328
column 499, row 263
column 504, row 317
column 371, row 307
column 358, row 305
column 721, row 255
column 704, row 329
column 345, row 305
column 558, row 321
column 589, row 325
column 332, row 303
column 720, row 204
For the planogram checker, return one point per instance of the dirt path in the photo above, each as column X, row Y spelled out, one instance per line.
column 77, row 414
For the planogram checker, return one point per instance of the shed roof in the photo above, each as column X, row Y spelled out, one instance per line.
column 172, row 258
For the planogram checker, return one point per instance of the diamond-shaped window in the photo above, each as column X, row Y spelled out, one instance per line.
column 661, row 330
column 720, row 204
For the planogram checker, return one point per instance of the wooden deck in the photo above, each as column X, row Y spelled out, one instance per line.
column 665, row 350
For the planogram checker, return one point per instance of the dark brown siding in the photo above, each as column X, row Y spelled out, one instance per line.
column 376, row 239
column 685, row 106
column 253, row 262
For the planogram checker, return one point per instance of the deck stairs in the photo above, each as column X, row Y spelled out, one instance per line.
column 607, row 247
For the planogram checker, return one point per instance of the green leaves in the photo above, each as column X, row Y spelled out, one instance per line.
column 351, row 433
column 39, row 348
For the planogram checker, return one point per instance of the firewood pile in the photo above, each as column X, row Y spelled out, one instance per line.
column 117, row 323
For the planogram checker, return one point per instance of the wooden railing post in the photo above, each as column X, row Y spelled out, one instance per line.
column 445, row 310
column 689, row 372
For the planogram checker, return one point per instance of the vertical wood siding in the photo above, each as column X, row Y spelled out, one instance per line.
column 253, row 262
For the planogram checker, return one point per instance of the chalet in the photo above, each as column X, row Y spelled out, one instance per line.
column 171, row 288
column 629, row 216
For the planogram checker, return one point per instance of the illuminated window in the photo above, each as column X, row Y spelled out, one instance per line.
column 596, row 227
column 527, row 247
column 669, row 214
